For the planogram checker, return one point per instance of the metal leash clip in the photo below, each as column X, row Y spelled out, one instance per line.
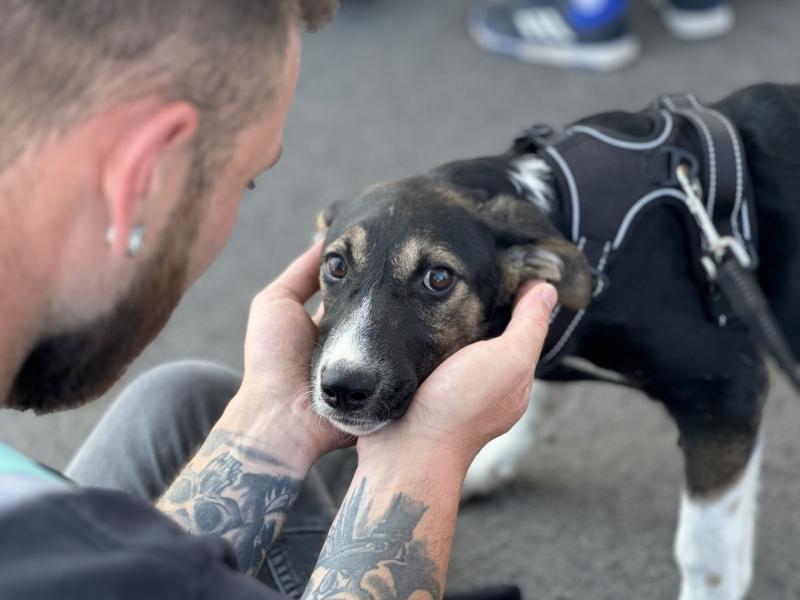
column 730, row 267
column 718, row 246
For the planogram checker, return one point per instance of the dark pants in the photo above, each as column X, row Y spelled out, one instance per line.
column 155, row 427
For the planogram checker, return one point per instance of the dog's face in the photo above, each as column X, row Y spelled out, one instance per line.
column 410, row 272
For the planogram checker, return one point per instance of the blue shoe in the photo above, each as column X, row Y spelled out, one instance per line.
column 540, row 31
column 694, row 20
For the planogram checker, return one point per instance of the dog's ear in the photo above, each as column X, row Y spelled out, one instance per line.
column 530, row 247
column 554, row 260
column 325, row 218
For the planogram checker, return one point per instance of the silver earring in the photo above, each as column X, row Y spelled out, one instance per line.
column 110, row 235
column 135, row 240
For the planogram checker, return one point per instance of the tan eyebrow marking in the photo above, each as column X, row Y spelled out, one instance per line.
column 414, row 249
column 442, row 256
column 354, row 240
column 358, row 243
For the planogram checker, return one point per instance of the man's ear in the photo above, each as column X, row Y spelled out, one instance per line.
column 530, row 247
column 155, row 145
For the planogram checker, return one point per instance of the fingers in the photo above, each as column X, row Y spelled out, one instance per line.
column 300, row 280
column 530, row 320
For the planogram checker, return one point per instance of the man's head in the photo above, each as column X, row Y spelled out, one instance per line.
column 119, row 118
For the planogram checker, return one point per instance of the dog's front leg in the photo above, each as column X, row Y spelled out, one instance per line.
column 715, row 538
column 716, row 528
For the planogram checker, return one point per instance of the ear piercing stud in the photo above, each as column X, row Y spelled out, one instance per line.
column 135, row 239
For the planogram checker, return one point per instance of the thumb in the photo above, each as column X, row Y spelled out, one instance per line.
column 531, row 318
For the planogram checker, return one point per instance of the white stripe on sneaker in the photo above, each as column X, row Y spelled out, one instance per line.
column 527, row 23
column 557, row 26
column 593, row 56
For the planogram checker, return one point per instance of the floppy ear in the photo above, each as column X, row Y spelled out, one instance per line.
column 554, row 260
column 530, row 247
column 325, row 218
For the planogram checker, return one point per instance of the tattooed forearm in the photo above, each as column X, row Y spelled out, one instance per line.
column 234, row 490
column 375, row 558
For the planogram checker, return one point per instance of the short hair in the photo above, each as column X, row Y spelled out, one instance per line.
column 65, row 60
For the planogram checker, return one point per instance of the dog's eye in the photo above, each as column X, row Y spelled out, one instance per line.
column 438, row 279
column 335, row 266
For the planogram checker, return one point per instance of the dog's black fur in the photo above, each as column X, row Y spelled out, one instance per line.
column 652, row 325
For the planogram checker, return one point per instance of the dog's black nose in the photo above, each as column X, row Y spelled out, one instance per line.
column 346, row 388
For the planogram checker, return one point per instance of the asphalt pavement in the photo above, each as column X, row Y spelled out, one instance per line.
column 394, row 88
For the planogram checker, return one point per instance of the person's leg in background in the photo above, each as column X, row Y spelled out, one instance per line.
column 585, row 34
column 155, row 427
column 696, row 20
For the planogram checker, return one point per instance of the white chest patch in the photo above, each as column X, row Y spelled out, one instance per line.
column 532, row 178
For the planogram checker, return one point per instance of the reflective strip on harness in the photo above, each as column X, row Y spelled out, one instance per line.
column 614, row 167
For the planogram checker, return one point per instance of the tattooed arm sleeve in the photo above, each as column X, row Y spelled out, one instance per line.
column 234, row 489
column 393, row 535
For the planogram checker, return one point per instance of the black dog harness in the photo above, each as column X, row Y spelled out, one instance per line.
column 614, row 167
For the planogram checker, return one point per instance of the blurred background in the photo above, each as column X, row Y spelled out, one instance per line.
column 397, row 87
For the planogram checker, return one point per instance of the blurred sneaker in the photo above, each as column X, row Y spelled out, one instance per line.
column 540, row 31
column 694, row 20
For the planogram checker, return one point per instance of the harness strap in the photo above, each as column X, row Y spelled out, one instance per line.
column 591, row 162
column 564, row 322
column 725, row 173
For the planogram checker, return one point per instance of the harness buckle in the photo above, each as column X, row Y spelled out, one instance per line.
column 718, row 247
column 675, row 158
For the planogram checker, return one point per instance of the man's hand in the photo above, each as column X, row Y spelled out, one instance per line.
column 245, row 477
column 275, row 388
column 480, row 391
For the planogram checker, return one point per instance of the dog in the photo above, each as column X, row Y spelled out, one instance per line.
column 412, row 270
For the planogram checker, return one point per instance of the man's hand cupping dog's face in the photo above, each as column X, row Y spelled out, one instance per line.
column 280, row 338
column 449, row 409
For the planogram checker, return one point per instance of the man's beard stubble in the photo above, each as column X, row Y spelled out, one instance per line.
column 70, row 368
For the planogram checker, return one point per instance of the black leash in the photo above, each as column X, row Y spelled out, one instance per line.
column 749, row 304
column 728, row 264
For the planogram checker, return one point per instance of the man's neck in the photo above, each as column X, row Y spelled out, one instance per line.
column 22, row 299
column 16, row 328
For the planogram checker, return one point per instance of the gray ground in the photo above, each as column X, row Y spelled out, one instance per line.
column 396, row 87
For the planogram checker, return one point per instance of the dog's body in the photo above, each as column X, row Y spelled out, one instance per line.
column 414, row 270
